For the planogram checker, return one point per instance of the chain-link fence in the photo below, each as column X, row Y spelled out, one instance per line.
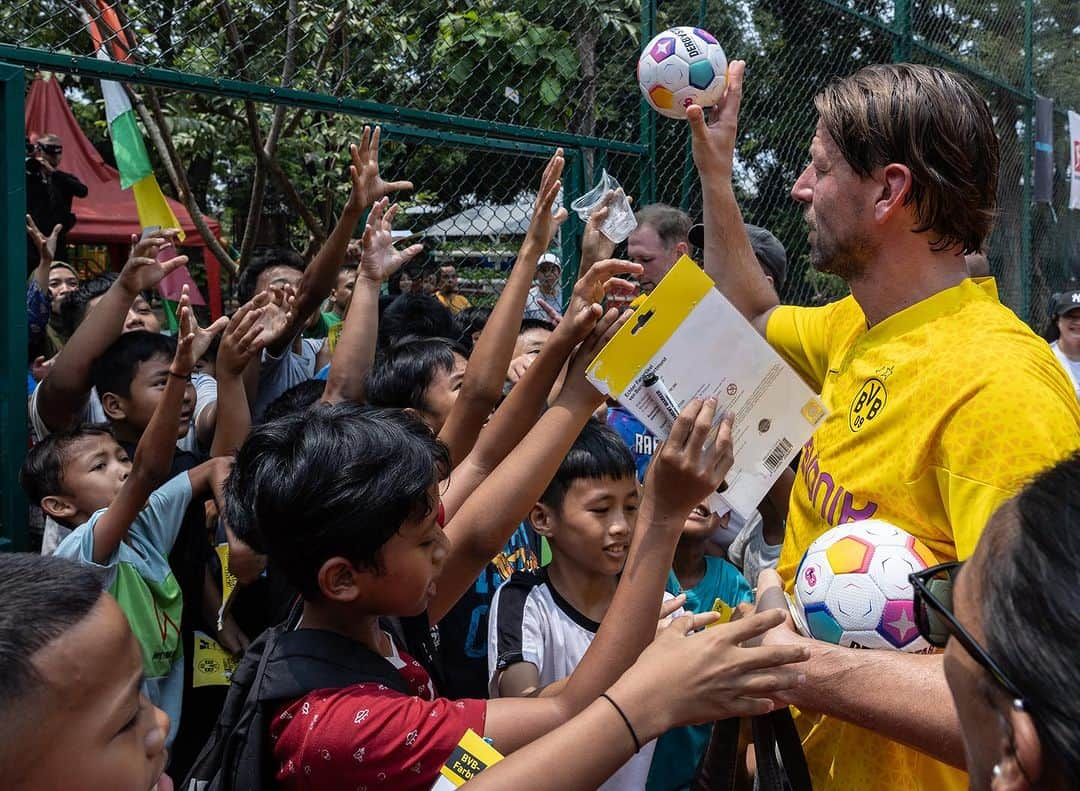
column 248, row 108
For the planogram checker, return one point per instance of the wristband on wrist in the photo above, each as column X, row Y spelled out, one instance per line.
column 185, row 377
column 629, row 727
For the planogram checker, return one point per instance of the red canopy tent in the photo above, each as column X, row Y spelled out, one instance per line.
column 107, row 215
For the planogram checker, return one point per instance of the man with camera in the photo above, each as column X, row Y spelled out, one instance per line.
column 49, row 192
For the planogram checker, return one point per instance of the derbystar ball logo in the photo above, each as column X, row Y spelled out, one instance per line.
column 691, row 45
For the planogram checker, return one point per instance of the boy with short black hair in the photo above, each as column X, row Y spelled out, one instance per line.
column 72, row 714
column 542, row 623
column 125, row 521
column 422, row 374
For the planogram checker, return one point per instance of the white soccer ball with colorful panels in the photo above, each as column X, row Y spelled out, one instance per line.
column 680, row 67
column 852, row 587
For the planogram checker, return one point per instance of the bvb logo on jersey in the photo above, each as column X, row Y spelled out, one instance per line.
column 868, row 404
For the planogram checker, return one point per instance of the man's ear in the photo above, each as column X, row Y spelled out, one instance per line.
column 541, row 517
column 340, row 581
column 58, row 507
column 114, row 406
column 681, row 249
column 894, row 189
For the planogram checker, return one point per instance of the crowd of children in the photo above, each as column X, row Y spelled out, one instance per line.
column 316, row 542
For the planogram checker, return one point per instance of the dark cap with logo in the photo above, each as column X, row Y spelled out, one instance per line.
column 770, row 253
column 1063, row 303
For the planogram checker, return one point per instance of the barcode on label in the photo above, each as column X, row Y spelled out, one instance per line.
column 778, row 454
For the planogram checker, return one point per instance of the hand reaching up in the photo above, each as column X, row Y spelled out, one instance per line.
column 143, row 271
column 203, row 337
column 713, row 143
column 380, row 259
column 367, row 184
column 184, row 359
column 544, row 224
column 276, row 317
column 241, row 341
column 46, row 245
column 576, row 387
column 595, row 246
column 600, row 281
column 691, row 463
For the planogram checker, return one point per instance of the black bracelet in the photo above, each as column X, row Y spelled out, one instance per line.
column 629, row 727
column 178, row 376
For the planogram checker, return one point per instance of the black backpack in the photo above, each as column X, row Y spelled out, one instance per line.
column 280, row 666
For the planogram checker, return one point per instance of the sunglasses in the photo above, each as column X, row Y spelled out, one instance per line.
column 934, row 616
column 52, row 149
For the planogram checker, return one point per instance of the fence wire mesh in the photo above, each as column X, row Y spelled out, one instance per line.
column 528, row 69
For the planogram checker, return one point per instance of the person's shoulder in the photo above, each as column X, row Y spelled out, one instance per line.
column 521, row 584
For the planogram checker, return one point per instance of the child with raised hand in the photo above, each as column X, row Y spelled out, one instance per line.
column 126, row 515
column 346, row 501
column 355, row 350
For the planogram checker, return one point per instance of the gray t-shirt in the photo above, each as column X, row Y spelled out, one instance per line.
column 278, row 374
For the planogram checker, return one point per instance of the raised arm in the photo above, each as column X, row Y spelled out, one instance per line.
column 321, row 276
column 517, row 414
column 46, row 247
column 63, row 393
column 153, row 455
column 729, row 259
column 486, row 372
column 239, row 346
column 682, row 678
column 688, row 466
column 355, row 352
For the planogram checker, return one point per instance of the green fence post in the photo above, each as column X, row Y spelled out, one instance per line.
column 647, row 180
column 13, row 528
column 902, row 31
column 689, row 172
column 1026, row 264
column 570, row 233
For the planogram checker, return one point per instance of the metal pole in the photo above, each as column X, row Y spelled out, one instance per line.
column 1026, row 264
column 647, row 179
column 570, row 233
column 902, row 32
column 13, row 513
column 688, row 173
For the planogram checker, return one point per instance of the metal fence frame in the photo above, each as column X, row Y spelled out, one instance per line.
column 407, row 124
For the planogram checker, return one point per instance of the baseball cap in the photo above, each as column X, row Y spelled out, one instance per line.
column 770, row 253
column 1063, row 303
column 549, row 258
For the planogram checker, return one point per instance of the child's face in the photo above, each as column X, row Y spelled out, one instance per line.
column 594, row 525
column 441, row 394
column 147, row 387
column 531, row 341
column 93, row 729
column 94, row 470
column 702, row 522
column 412, row 561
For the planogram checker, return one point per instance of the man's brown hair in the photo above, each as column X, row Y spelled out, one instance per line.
column 935, row 123
column 671, row 225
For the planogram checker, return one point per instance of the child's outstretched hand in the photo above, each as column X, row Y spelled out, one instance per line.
column 576, row 387
column 185, row 358
column 691, row 463
column 380, row 259
column 595, row 246
column 544, row 224
column 143, row 271
column 601, row 280
column 46, row 245
column 241, row 341
column 203, row 337
column 276, row 317
column 367, row 183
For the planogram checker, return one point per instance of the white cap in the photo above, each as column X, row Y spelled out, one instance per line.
column 549, row 258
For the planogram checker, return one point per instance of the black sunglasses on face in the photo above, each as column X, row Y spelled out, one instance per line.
column 934, row 616
column 53, row 149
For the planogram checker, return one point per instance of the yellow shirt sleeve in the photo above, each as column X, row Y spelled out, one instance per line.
column 997, row 442
column 801, row 337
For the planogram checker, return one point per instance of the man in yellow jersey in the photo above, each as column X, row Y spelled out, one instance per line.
column 942, row 402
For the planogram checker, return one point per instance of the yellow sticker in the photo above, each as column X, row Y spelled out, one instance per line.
column 228, row 582
column 725, row 612
column 212, row 664
column 813, row 411
column 471, row 756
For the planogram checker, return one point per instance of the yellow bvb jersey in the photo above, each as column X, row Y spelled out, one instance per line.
column 937, row 415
